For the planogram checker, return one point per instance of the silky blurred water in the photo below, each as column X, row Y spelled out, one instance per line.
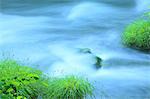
column 49, row 33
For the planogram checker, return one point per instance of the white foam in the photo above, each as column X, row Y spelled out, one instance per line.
column 88, row 9
column 70, row 61
column 13, row 27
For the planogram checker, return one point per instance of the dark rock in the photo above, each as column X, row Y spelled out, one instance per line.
column 98, row 60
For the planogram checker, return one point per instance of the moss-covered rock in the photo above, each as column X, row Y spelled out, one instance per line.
column 98, row 63
column 98, row 60
column 85, row 50
column 137, row 35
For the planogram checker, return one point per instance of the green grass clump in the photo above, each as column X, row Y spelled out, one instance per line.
column 18, row 81
column 22, row 82
column 137, row 35
column 70, row 87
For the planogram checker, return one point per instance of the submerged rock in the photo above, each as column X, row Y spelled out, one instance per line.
column 98, row 63
column 98, row 60
column 85, row 50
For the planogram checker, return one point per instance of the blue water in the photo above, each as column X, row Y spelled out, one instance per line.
column 48, row 33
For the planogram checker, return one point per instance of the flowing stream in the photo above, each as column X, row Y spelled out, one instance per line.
column 50, row 32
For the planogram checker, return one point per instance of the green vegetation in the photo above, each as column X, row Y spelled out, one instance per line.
column 70, row 87
column 18, row 81
column 137, row 35
column 21, row 82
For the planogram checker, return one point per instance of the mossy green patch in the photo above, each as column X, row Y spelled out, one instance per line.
column 18, row 81
column 70, row 87
column 22, row 82
column 137, row 35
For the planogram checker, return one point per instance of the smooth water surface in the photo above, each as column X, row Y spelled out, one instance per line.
column 50, row 32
